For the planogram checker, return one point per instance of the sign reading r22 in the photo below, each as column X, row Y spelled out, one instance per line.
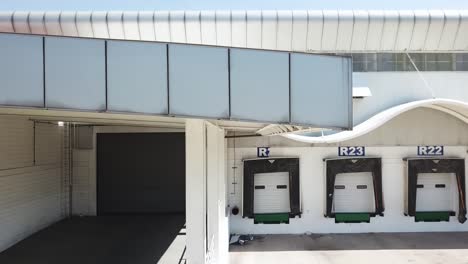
column 430, row 150
column 351, row 151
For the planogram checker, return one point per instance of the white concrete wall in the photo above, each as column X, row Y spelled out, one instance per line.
column 393, row 141
column 206, row 213
column 31, row 191
column 217, row 220
column 312, row 181
column 394, row 88
column 196, row 187
column 418, row 126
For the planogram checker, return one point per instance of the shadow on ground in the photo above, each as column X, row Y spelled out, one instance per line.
column 371, row 241
column 140, row 239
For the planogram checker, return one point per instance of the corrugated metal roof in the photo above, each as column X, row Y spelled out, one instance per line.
column 303, row 31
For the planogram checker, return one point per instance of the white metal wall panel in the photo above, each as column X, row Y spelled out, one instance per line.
column 146, row 25
column 48, row 144
column 330, row 29
column 461, row 41
column 429, row 198
column 6, row 24
column 52, row 23
column 269, row 29
column 21, row 70
column 449, row 33
column 351, row 199
column 315, row 30
column 30, row 195
column 75, row 73
column 82, row 185
column 84, row 26
column 177, row 27
column 16, row 142
column 435, row 30
column 271, row 199
column 99, row 23
column 36, row 23
column 208, row 27
column 374, row 34
column 198, row 77
column 137, row 77
column 360, row 29
column 326, row 31
column 345, row 30
column 20, row 22
column 299, row 30
column 223, row 28
column 130, row 25
column 255, row 74
column 114, row 20
column 162, row 27
column 284, row 30
column 254, row 29
column 193, row 27
column 405, row 30
column 29, row 201
column 67, row 24
column 390, row 30
column 239, row 29
column 421, row 26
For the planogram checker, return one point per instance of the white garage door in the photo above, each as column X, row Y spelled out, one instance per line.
column 271, row 193
column 435, row 192
column 354, row 193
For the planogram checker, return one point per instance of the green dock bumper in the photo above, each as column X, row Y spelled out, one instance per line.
column 432, row 216
column 352, row 218
column 271, row 218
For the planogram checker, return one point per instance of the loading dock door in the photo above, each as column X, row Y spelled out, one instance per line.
column 271, row 193
column 140, row 173
column 449, row 176
column 354, row 193
column 276, row 198
column 434, row 192
column 362, row 198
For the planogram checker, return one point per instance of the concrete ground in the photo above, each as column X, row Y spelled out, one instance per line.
column 140, row 239
column 382, row 248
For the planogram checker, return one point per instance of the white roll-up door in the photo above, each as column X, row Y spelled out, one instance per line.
column 271, row 193
column 354, row 193
column 435, row 192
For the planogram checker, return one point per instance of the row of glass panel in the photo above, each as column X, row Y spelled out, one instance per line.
column 377, row 62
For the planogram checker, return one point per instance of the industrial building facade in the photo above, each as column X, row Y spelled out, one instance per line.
column 244, row 122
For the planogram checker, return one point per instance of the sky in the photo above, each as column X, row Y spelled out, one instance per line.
column 34, row 5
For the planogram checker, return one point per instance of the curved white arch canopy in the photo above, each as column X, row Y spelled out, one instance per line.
column 299, row 30
column 455, row 108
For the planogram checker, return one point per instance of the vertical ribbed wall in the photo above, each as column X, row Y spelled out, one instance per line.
column 298, row 30
column 30, row 177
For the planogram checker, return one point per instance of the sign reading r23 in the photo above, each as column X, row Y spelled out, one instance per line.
column 351, row 151
column 430, row 150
